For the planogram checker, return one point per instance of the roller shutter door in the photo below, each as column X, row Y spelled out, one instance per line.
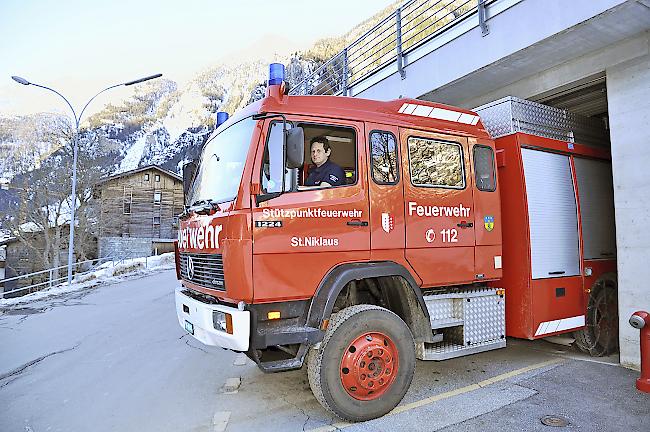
column 596, row 194
column 552, row 215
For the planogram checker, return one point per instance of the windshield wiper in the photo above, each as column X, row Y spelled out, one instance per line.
column 200, row 203
column 203, row 206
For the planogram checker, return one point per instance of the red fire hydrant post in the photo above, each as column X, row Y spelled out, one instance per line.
column 641, row 320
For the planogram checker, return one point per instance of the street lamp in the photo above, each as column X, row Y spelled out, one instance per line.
column 77, row 120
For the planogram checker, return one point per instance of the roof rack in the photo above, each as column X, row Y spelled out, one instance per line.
column 511, row 114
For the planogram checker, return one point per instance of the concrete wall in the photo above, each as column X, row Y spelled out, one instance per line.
column 120, row 247
column 589, row 64
column 525, row 36
column 628, row 91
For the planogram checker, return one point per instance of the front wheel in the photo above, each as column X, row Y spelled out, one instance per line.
column 365, row 363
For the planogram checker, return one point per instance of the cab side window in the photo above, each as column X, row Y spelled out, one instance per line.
column 435, row 163
column 484, row 169
column 330, row 157
column 383, row 146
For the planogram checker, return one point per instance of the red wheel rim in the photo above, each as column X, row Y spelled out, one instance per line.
column 369, row 366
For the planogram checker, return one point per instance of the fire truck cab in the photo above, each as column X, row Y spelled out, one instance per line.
column 401, row 259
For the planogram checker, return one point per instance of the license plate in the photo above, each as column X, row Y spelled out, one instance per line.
column 189, row 327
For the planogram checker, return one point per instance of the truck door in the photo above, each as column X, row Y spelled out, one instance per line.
column 439, row 210
column 487, row 212
column 386, row 194
column 302, row 234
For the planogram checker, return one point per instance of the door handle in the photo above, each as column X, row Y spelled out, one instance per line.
column 357, row 223
column 464, row 224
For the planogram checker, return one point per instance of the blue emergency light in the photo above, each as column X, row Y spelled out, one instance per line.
column 276, row 73
column 222, row 116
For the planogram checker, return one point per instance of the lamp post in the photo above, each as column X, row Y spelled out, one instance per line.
column 77, row 120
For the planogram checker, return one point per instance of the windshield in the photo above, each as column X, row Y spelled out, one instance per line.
column 222, row 164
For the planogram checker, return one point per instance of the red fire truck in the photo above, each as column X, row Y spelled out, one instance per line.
column 411, row 255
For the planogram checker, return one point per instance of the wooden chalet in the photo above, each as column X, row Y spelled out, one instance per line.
column 138, row 212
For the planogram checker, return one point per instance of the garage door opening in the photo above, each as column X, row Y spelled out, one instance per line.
column 567, row 282
column 588, row 98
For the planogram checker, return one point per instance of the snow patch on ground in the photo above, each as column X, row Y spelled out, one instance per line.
column 107, row 272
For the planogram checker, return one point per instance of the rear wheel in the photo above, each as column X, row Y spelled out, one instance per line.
column 364, row 365
column 600, row 335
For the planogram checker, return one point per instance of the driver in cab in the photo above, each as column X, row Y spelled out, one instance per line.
column 326, row 173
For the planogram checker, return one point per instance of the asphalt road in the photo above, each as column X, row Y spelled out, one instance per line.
column 114, row 358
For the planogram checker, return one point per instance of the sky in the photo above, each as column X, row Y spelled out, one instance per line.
column 79, row 47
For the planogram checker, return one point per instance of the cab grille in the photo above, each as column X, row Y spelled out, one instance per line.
column 208, row 270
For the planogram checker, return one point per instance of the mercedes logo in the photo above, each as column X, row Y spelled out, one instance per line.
column 190, row 268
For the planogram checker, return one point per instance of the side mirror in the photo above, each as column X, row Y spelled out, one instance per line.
column 295, row 145
column 189, row 170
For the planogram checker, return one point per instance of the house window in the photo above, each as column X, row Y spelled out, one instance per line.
column 146, row 177
column 157, row 177
column 156, row 220
column 127, row 200
column 157, row 197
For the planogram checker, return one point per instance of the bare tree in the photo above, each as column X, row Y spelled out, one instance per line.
column 41, row 217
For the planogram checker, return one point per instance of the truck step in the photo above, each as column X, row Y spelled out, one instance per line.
column 445, row 322
column 464, row 321
column 447, row 350
column 289, row 335
column 282, row 365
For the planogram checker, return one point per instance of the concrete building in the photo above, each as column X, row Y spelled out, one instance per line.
column 589, row 57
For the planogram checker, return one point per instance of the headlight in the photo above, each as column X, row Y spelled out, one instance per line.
column 222, row 321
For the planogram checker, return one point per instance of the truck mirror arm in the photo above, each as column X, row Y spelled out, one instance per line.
column 263, row 116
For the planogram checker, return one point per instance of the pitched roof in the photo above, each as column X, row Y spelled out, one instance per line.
column 137, row 170
column 8, row 240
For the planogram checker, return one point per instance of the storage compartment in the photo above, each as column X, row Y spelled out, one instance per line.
column 465, row 322
column 552, row 215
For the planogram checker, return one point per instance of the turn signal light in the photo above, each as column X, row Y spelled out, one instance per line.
column 501, row 292
column 228, row 323
column 273, row 315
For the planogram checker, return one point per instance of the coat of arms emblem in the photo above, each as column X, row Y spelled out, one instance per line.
column 387, row 222
column 489, row 222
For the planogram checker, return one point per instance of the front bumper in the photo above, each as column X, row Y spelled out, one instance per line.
column 199, row 315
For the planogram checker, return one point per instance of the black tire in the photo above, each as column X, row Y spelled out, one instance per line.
column 325, row 365
column 599, row 337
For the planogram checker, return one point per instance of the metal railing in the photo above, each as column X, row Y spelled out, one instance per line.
column 411, row 25
column 50, row 277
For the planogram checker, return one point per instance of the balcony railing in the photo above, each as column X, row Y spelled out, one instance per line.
column 407, row 28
